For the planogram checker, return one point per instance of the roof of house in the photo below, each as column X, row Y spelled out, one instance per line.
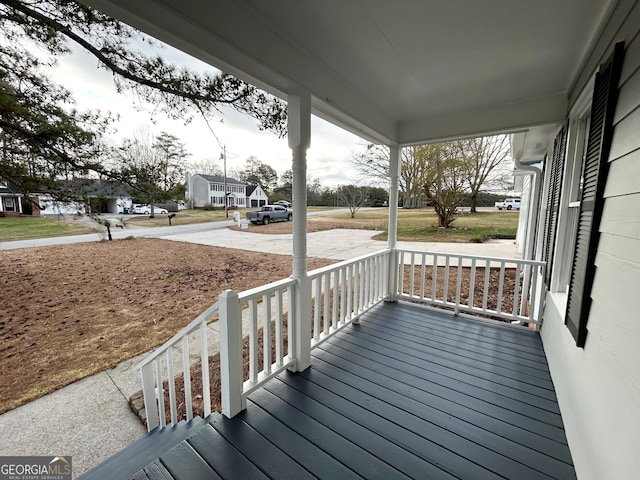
column 104, row 189
column 8, row 189
column 90, row 188
column 220, row 179
column 251, row 189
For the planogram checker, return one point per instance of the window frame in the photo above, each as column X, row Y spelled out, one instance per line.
column 569, row 201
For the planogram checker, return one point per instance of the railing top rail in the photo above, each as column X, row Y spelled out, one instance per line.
column 334, row 266
column 476, row 257
column 257, row 291
column 192, row 327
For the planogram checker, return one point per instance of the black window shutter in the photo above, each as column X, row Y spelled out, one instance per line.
column 553, row 199
column 605, row 95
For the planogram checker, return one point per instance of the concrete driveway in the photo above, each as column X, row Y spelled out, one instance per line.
column 340, row 244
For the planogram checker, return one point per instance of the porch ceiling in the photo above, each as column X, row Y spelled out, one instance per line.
column 405, row 71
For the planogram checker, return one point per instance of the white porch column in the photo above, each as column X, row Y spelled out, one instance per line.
column 395, row 165
column 299, row 130
column 230, row 354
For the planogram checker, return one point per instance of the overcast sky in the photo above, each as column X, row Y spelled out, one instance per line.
column 93, row 88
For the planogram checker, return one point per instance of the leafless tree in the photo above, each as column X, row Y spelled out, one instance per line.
column 353, row 196
column 205, row 166
column 154, row 166
column 373, row 164
column 485, row 162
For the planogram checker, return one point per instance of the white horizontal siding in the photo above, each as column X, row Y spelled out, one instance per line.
column 614, row 353
column 632, row 60
column 598, row 386
column 618, row 257
column 626, row 135
column 624, row 175
column 630, row 85
column 621, row 216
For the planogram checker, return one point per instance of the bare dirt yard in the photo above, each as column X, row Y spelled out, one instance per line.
column 74, row 310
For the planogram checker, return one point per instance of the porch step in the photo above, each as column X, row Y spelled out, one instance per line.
column 142, row 452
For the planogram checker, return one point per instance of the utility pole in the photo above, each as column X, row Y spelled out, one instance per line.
column 223, row 156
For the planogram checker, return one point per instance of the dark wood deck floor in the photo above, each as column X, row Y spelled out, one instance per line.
column 408, row 393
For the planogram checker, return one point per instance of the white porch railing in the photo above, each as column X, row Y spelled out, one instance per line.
column 269, row 328
column 344, row 291
column 506, row 288
column 173, row 356
column 339, row 294
column 258, row 326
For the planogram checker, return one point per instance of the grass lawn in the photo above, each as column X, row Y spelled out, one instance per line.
column 183, row 217
column 421, row 225
column 413, row 225
column 24, row 228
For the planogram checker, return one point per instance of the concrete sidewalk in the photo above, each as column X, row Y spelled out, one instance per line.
column 91, row 419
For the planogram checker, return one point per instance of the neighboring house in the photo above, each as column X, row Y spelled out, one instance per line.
column 109, row 198
column 410, row 73
column 47, row 205
column 10, row 201
column 103, row 197
column 256, row 196
column 205, row 190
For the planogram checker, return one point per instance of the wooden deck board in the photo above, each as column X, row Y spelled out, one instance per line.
column 485, row 414
column 156, row 471
column 315, row 460
column 258, row 449
column 495, row 386
column 418, row 403
column 444, row 321
column 182, row 461
column 442, row 383
column 494, row 374
column 396, row 419
column 444, row 336
column 366, row 457
column 395, row 457
column 510, row 366
column 227, row 460
column 407, row 393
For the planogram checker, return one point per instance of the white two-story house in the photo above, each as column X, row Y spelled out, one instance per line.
column 205, row 190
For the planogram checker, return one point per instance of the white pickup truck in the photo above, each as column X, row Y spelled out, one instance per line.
column 509, row 204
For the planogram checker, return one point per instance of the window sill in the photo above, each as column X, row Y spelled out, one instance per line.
column 559, row 300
